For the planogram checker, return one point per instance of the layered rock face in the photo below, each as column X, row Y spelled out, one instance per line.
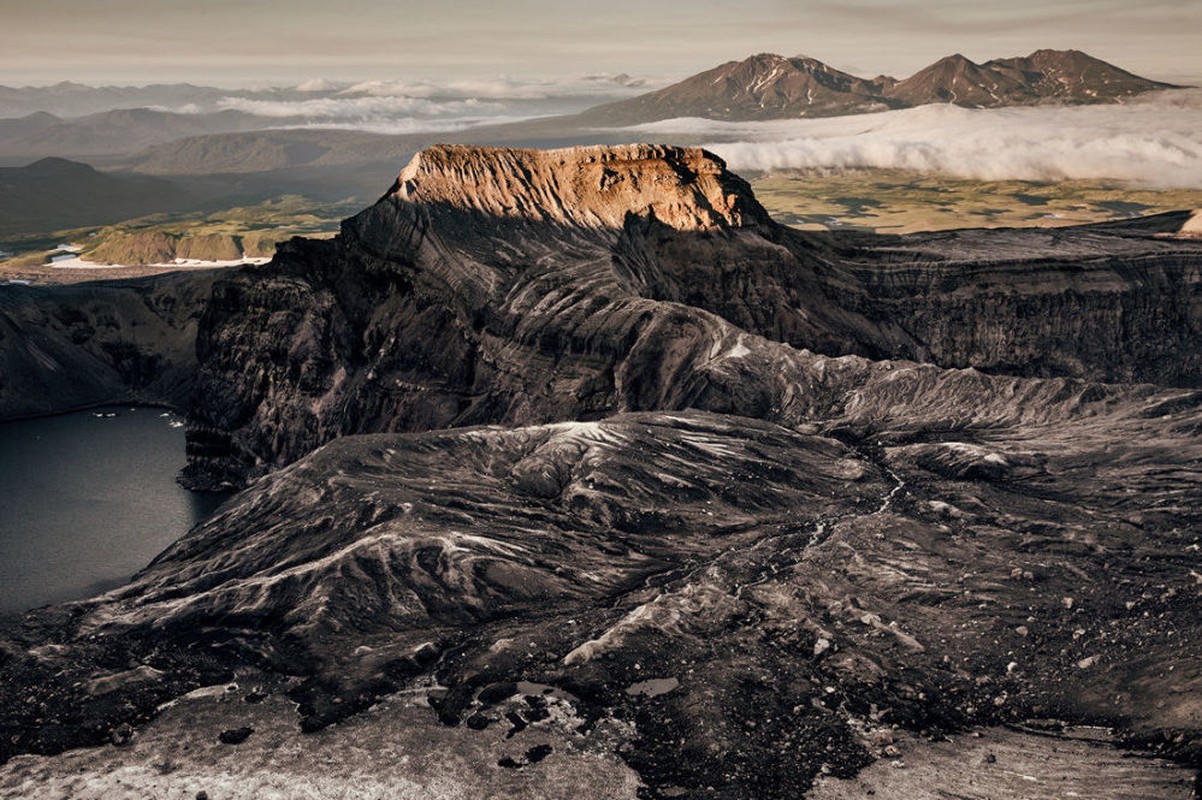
column 583, row 187
column 519, row 287
column 580, row 448
column 63, row 348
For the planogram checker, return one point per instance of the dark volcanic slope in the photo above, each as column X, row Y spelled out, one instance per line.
column 768, row 86
column 738, row 543
column 792, row 595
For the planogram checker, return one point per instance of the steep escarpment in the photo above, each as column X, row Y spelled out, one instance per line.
column 63, row 348
column 441, row 306
column 523, row 287
column 1102, row 302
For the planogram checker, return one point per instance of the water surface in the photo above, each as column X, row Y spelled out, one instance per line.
column 88, row 499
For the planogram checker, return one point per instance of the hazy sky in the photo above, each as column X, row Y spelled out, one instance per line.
column 233, row 42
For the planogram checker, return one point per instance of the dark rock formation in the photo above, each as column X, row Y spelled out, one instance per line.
column 633, row 464
column 63, row 348
column 525, row 287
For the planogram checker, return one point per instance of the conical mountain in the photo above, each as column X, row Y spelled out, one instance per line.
column 1074, row 77
column 956, row 79
column 764, row 86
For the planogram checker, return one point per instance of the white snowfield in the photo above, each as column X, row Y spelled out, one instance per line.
column 76, row 262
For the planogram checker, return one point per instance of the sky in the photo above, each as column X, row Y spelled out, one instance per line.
column 282, row 42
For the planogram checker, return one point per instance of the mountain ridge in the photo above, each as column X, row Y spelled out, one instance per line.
column 604, row 268
column 769, row 86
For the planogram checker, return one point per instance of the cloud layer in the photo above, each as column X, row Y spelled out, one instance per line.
column 412, row 106
column 1154, row 141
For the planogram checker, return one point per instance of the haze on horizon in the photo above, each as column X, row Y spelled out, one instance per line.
column 282, row 42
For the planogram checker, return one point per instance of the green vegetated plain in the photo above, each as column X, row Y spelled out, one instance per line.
column 226, row 235
column 896, row 201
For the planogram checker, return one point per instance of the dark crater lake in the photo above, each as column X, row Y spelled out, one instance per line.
column 87, row 499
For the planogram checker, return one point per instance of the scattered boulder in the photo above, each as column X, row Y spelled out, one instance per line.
column 235, row 735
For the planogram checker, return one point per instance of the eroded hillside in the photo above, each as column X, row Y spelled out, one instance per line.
column 612, row 473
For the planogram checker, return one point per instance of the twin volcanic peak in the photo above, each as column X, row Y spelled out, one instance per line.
column 768, row 86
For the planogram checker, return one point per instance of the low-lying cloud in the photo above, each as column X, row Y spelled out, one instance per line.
column 504, row 88
column 392, row 106
column 1154, row 141
column 359, row 108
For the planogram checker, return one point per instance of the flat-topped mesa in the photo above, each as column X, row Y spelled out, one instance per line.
column 686, row 188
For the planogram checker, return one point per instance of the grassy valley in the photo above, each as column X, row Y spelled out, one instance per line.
column 133, row 247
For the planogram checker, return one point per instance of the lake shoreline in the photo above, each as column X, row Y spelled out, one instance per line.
column 88, row 498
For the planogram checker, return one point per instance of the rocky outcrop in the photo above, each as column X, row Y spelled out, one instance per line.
column 158, row 247
column 1192, row 227
column 580, row 187
column 69, row 347
column 523, row 287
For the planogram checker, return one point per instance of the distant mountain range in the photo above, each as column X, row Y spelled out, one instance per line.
column 120, row 131
column 77, row 99
column 768, row 86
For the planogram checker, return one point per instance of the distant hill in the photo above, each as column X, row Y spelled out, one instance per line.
column 956, row 79
column 1073, row 76
column 1065, row 76
column 77, row 99
column 114, row 132
column 260, row 151
column 768, row 86
column 764, row 86
column 56, row 193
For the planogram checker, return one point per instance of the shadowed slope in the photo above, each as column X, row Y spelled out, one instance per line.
column 495, row 285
